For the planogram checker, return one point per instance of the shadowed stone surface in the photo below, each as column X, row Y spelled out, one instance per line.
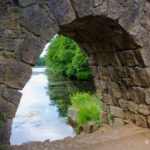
column 113, row 34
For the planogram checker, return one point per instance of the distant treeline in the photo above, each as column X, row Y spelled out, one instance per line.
column 41, row 61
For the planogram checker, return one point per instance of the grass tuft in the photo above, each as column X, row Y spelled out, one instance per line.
column 88, row 106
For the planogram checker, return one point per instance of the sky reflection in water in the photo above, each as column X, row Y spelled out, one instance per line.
column 36, row 119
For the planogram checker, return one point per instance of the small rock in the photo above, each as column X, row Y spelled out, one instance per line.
column 73, row 116
column 90, row 127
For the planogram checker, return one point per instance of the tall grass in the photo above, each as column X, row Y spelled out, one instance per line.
column 88, row 106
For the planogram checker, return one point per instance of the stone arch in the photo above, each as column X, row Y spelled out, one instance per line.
column 114, row 34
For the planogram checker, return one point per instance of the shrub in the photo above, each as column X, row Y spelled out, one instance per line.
column 65, row 58
column 88, row 106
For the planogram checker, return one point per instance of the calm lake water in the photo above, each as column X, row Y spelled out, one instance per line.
column 42, row 112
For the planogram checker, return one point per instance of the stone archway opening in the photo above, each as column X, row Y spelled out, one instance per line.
column 114, row 35
column 30, row 117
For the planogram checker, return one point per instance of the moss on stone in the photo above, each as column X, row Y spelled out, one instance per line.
column 17, row 9
column 111, row 117
column 1, row 120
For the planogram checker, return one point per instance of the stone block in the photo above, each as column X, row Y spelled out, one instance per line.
column 130, row 116
column 73, row 115
column 115, row 10
column 18, row 74
column 83, row 8
column 3, row 69
column 61, row 9
column 30, row 49
column 147, row 96
column 106, row 59
column 140, row 76
column 26, row 3
column 1, row 88
column 128, row 21
column 123, row 103
column 104, row 107
column 128, row 82
column 144, row 109
column 133, row 107
column 100, row 85
column 10, row 45
column 7, row 109
column 104, row 73
column 5, row 131
column 9, row 22
column 101, row 9
column 113, row 73
column 116, row 112
column 42, row 23
column 107, row 99
column 136, row 94
column 89, row 127
column 118, row 122
column 11, row 95
column 122, row 72
column 143, row 55
column 104, row 117
column 142, row 37
column 98, row 2
column 127, row 58
column 140, row 121
column 114, row 89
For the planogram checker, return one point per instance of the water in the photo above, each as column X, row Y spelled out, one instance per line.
column 41, row 114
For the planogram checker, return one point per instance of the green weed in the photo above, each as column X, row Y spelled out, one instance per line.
column 88, row 106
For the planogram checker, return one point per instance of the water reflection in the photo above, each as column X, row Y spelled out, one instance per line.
column 61, row 88
column 42, row 111
column 36, row 119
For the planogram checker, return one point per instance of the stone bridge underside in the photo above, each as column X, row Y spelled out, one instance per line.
column 114, row 34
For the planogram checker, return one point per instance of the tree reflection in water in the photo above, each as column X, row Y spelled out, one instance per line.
column 60, row 88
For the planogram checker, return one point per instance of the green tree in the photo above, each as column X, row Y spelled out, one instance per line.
column 65, row 58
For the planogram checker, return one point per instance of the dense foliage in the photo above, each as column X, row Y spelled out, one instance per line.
column 41, row 61
column 88, row 106
column 65, row 58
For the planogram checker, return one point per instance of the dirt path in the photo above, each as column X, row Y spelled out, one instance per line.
column 123, row 138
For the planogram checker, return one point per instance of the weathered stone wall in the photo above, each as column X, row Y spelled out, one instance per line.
column 113, row 33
